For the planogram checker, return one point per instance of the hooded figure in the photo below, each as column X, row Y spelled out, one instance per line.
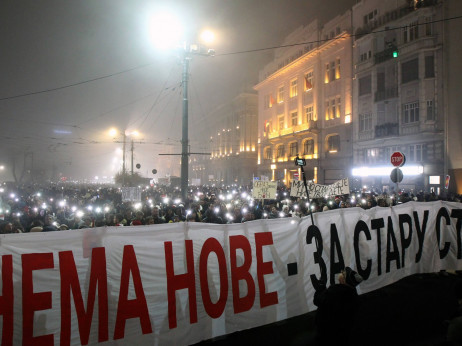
column 337, row 306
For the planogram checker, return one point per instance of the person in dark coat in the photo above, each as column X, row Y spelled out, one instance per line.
column 337, row 306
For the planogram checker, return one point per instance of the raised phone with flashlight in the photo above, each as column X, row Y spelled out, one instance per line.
column 301, row 163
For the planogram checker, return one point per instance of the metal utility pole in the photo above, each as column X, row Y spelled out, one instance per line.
column 123, row 160
column 132, row 149
column 187, row 52
column 184, row 137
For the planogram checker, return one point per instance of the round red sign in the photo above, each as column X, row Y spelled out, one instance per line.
column 397, row 159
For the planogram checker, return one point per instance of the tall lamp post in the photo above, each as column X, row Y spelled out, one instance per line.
column 166, row 31
column 188, row 52
column 184, row 130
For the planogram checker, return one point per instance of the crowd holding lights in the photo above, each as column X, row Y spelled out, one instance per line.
column 74, row 206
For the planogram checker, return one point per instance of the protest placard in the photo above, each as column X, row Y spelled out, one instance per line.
column 131, row 194
column 264, row 189
column 340, row 187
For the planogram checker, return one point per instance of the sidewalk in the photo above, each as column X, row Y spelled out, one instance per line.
column 410, row 312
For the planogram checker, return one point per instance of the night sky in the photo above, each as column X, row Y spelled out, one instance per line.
column 71, row 70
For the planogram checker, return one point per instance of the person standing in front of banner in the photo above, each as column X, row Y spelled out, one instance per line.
column 337, row 307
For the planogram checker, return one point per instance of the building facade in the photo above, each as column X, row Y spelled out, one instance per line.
column 230, row 136
column 400, row 93
column 305, row 105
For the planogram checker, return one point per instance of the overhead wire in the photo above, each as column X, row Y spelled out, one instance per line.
column 157, row 98
column 146, row 115
column 335, row 38
column 74, row 84
column 226, row 54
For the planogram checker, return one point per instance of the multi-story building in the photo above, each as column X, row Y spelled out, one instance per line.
column 401, row 97
column 305, row 105
column 230, row 133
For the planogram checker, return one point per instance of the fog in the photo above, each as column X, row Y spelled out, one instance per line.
column 71, row 70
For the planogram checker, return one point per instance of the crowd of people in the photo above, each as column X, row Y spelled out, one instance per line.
column 35, row 208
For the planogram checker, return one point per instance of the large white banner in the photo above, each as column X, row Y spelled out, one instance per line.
column 186, row 282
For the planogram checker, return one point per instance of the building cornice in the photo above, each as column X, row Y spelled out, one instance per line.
column 303, row 59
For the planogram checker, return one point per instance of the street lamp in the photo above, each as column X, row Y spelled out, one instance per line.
column 188, row 51
column 167, row 29
column 113, row 132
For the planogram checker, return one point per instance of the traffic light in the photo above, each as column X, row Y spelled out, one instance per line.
column 395, row 53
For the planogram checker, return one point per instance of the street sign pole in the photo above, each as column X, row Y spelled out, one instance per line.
column 397, row 159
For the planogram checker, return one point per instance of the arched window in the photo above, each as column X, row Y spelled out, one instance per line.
column 268, row 153
column 280, row 151
column 293, row 149
column 308, row 147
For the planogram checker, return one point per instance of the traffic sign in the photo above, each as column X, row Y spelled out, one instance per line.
column 397, row 159
column 396, row 175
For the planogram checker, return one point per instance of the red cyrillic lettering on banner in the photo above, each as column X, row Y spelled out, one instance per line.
column 134, row 307
column 180, row 281
column 213, row 310
column 241, row 273
column 7, row 300
column 31, row 301
column 70, row 281
column 263, row 268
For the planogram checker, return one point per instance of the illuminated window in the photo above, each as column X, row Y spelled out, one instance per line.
column 326, row 109
column 293, row 88
column 309, row 114
column 294, row 118
column 327, row 74
column 281, row 122
column 337, row 68
column 281, row 94
column 268, row 154
column 309, row 81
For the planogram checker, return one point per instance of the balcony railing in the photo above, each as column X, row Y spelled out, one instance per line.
column 391, row 16
column 411, row 128
column 387, row 130
column 386, row 94
column 384, row 55
column 312, row 125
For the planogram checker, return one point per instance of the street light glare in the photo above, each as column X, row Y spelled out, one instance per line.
column 165, row 30
column 207, row 36
column 113, row 132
